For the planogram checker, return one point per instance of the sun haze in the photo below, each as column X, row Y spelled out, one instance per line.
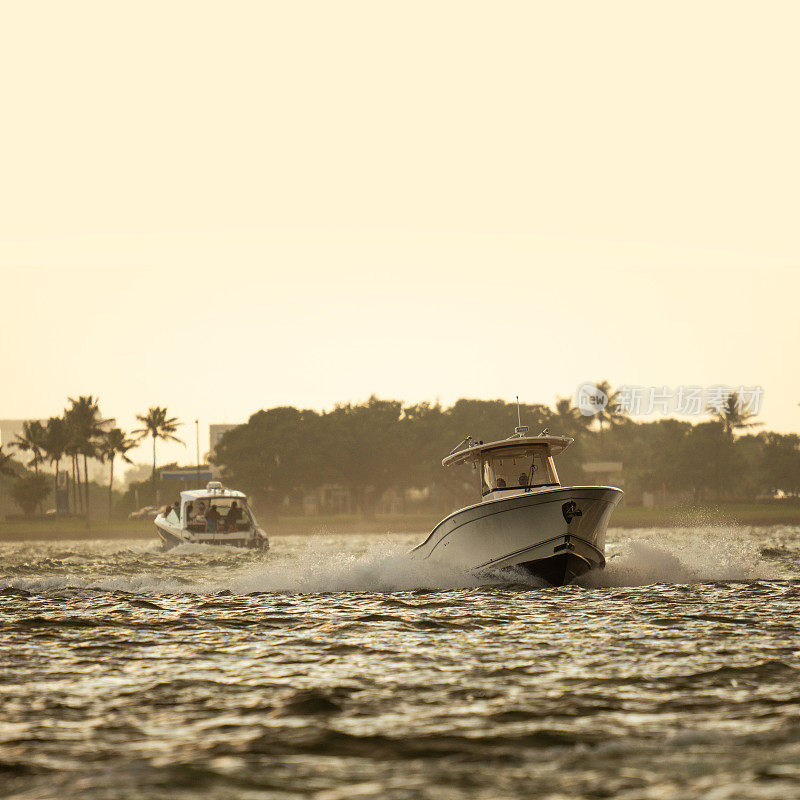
column 224, row 207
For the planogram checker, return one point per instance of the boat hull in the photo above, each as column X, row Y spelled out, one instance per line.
column 559, row 570
column 554, row 534
column 172, row 536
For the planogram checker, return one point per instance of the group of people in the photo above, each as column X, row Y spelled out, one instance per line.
column 211, row 518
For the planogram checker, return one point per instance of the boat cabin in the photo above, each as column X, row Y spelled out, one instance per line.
column 512, row 466
column 215, row 509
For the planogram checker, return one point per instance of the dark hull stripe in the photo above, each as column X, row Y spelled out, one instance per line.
column 601, row 561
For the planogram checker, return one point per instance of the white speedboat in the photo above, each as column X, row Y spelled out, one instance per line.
column 526, row 519
column 214, row 515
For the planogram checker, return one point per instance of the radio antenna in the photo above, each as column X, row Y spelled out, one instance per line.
column 521, row 429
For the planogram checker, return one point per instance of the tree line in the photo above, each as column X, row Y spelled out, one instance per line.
column 281, row 454
column 66, row 443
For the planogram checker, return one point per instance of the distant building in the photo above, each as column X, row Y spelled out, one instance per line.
column 215, row 434
column 607, row 473
column 327, row 499
column 195, row 477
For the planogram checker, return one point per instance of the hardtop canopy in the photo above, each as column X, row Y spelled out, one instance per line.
column 473, row 452
column 213, row 491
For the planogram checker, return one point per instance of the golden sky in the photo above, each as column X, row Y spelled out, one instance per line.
column 224, row 206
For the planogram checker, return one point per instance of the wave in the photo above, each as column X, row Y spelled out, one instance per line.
column 318, row 740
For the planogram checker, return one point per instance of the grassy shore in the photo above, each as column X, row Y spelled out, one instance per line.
column 727, row 513
column 50, row 529
column 625, row 517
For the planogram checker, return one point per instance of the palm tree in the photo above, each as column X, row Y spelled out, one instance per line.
column 86, row 428
column 72, row 452
column 733, row 416
column 55, row 443
column 31, row 440
column 8, row 467
column 114, row 443
column 567, row 417
column 610, row 414
column 158, row 425
column 7, row 464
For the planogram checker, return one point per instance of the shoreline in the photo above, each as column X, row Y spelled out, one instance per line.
column 750, row 514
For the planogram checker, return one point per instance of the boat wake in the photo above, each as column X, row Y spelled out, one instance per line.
column 315, row 566
column 714, row 555
column 324, row 565
column 383, row 567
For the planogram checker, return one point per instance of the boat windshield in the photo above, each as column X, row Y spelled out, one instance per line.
column 219, row 513
column 517, row 468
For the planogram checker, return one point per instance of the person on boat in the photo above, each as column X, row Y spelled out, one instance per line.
column 501, row 483
column 523, row 479
column 199, row 517
column 212, row 519
column 233, row 517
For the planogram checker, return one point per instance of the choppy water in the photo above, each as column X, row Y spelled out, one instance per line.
column 333, row 668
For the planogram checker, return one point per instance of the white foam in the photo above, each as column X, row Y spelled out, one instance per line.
column 327, row 564
column 313, row 567
column 384, row 567
column 681, row 556
column 145, row 583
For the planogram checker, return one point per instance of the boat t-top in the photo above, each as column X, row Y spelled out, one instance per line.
column 525, row 519
column 214, row 515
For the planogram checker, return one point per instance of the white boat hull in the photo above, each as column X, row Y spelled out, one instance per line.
column 555, row 534
column 173, row 535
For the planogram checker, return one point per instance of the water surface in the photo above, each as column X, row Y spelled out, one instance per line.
column 335, row 668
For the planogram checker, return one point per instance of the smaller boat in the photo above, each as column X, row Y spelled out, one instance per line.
column 214, row 515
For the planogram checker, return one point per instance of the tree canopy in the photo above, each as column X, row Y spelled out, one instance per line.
column 369, row 447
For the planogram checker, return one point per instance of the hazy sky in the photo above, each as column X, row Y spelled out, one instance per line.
column 225, row 206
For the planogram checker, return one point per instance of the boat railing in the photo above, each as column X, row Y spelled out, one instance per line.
column 467, row 440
